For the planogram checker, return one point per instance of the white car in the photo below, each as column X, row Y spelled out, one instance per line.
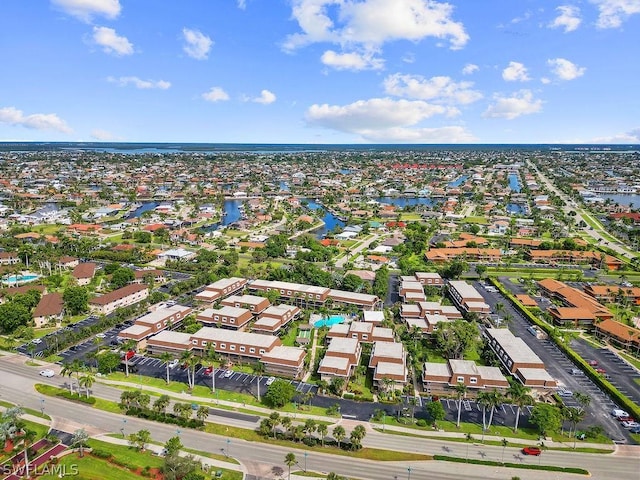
column 100, row 335
column 270, row 380
column 36, row 341
column 228, row 373
column 173, row 363
column 47, row 373
column 630, row 424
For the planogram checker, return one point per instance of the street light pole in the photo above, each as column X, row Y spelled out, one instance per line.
column 305, row 461
column 42, row 406
column 124, row 424
column 408, row 473
column 228, row 443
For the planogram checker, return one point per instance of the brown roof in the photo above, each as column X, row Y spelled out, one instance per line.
column 620, row 330
column 23, row 289
column 123, row 292
column 50, row 304
column 144, row 273
column 526, row 300
column 84, row 270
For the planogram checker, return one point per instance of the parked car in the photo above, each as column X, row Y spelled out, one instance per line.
column 208, row 371
column 563, row 392
column 36, row 341
column 626, row 419
column 593, row 363
column 173, row 363
column 228, row 373
column 632, row 424
column 531, row 451
column 100, row 335
column 616, row 412
column 129, row 355
column 635, row 429
column 47, row 373
column 270, row 380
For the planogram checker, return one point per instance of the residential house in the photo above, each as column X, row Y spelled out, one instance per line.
column 122, row 297
column 84, row 273
column 225, row 317
column 442, row 378
column 389, row 363
column 274, row 318
column 49, row 308
column 340, row 359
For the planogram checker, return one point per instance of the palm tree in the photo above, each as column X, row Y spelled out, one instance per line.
column 87, row 381
column 79, row 440
column 504, row 442
column 310, row 426
column 67, row 372
column 322, row 429
column 202, row 413
column 289, row 461
column 339, row 434
column 488, row 400
column 28, row 436
column 161, row 403
column 126, row 347
column 258, row 371
column 274, row 420
column 461, row 392
column 212, row 355
column 186, row 358
column 520, row 396
column 165, row 358
column 286, row 423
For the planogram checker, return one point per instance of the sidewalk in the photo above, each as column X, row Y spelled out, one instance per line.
column 211, row 463
column 212, row 402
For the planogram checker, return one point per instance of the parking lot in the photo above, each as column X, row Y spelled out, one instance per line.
column 236, row 382
column 559, row 366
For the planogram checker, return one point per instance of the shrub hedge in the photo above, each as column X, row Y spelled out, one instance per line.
column 148, row 414
column 526, row 466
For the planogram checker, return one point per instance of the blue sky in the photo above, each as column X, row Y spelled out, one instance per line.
column 320, row 71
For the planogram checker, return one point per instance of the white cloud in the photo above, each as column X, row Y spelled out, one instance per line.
column 266, row 97
column 371, row 23
column 438, row 89
column 139, row 83
column 564, row 69
column 351, row 61
column 85, row 10
column 568, row 18
column 452, row 134
column 545, row 81
column 632, row 136
column 102, row 135
column 470, row 68
column 386, row 120
column 242, row 4
column 35, row 121
column 197, row 44
column 614, row 12
column 520, row 103
column 372, row 114
column 216, row 94
column 515, row 72
column 111, row 42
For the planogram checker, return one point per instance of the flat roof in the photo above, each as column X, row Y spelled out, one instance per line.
column 266, row 322
column 342, row 345
column 169, row 336
column 373, row 316
column 535, row 374
column 343, row 295
column 383, row 332
column 162, row 314
column 515, row 347
column 225, row 310
column 361, row 327
column 282, row 352
column 387, row 368
column 246, row 299
column 278, row 285
column 387, row 349
column 463, row 367
column 465, row 290
column 337, row 363
column 135, row 330
column 437, row 369
column 224, row 283
column 416, row 322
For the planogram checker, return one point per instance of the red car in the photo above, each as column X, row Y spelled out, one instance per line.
column 601, row 370
column 129, row 355
column 531, row 451
column 593, row 363
column 625, row 419
column 208, row 370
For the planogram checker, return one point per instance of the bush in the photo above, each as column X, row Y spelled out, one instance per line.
column 75, row 397
column 526, row 466
column 97, row 452
column 422, row 423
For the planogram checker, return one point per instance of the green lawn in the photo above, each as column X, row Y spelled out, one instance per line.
column 478, row 220
column 89, row 467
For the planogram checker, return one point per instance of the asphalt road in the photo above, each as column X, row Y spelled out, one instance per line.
column 259, row 458
column 559, row 366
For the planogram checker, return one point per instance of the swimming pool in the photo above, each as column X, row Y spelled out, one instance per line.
column 25, row 278
column 329, row 321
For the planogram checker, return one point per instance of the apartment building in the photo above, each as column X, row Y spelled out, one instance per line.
column 157, row 276
column 49, row 308
column 225, row 317
column 467, row 298
column 284, row 361
column 389, row 363
column 253, row 303
column 155, row 321
column 443, row 255
column 84, row 273
column 363, row 332
column 299, row 293
column 553, row 257
column 340, row 359
column 220, row 289
column 610, row 293
column 9, row 258
column 361, row 300
column 442, row 378
column 375, row 317
column 580, row 309
column 619, row 334
column 411, row 291
column 429, row 279
column 274, row 318
column 517, row 358
column 122, row 297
